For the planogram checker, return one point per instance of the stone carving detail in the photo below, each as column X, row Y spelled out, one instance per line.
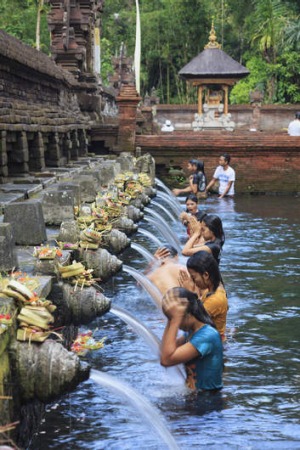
column 213, row 117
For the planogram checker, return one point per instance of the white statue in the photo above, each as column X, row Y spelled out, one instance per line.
column 167, row 126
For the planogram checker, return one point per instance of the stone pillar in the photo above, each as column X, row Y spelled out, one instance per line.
column 225, row 88
column 83, row 142
column 256, row 98
column 8, row 253
column 75, row 145
column 36, row 152
column 67, row 146
column 53, row 154
column 200, row 106
column 19, row 158
column 127, row 102
column 3, row 155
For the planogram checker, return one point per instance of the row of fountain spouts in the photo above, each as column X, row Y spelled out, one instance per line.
column 141, row 403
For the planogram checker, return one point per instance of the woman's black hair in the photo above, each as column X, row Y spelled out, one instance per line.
column 172, row 250
column 200, row 166
column 194, row 307
column 226, row 156
column 192, row 197
column 214, row 224
column 202, row 262
column 193, row 161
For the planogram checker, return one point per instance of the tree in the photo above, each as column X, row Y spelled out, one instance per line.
column 269, row 20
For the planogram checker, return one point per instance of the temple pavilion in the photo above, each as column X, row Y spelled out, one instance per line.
column 213, row 72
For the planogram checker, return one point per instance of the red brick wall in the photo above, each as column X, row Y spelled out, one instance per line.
column 264, row 162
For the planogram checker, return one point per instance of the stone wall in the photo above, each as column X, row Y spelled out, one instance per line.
column 41, row 123
column 264, row 162
column 271, row 117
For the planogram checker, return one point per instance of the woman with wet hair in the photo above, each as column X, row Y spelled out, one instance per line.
column 201, row 180
column 201, row 347
column 204, row 278
column 192, row 215
column 197, row 180
column 208, row 236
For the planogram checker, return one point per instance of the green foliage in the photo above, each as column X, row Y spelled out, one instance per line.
column 106, row 64
column 256, row 80
column 264, row 35
column 288, row 73
column 18, row 18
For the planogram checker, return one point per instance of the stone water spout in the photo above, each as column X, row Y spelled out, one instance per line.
column 126, row 225
column 104, row 264
column 145, row 199
column 137, row 203
column 134, row 213
column 150, row 191
column 116, row 241
column 46, row 371
column 78, row 306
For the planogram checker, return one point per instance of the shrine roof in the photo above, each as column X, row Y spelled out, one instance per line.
column 213, row 63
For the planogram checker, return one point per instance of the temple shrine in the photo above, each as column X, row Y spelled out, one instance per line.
column 213, row 72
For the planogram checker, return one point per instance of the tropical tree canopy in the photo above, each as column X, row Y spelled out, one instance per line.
column 263, row 35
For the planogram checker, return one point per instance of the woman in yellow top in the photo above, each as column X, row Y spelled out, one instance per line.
column 204, row 278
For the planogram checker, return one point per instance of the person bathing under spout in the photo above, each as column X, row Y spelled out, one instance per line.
column 192, row 215
column 197, row 179
column 166, row 275
column 200, row 349
column 207, row 235
column 204, row 278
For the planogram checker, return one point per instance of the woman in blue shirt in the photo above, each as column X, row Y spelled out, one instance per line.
column 200, row 349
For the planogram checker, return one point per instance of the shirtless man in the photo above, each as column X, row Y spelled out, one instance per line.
column 166, row 275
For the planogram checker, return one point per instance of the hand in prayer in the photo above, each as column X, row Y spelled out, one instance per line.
column 185, row 281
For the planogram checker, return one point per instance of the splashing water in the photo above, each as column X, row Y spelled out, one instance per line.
column 149, row 287
column 174, row 217
column 166, row 232
column 143, row 251
column 145, row 333
column 140, row 329
column 162, row 185
column 150, row 236
column 177, row 208
column 139, row 402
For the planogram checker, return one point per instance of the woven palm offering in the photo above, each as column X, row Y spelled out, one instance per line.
column 133, row 188
column 71, row 270
column 114, row 208
column 91, row 235
column 46, row 252
column 85, row 279
column 6, row 319
column 85, row 342
column 144, row 179
column 17, row 290
column 67, row 245
column 85, row 221
column 35, row 321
